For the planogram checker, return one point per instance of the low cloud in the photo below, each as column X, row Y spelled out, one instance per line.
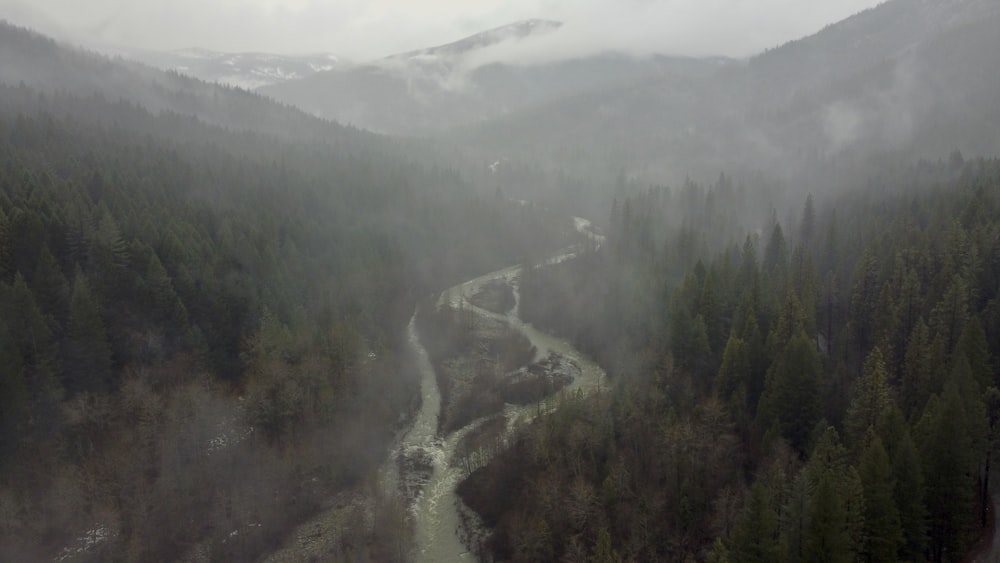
column 677, row 27
column 365, row 29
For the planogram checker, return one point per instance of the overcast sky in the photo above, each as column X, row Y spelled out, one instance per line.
column 362, row 29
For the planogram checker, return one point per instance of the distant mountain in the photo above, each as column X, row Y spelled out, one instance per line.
column 53, row 68
column 909, row 77
column 512, row 32
column 245, row 70
column 431, row 90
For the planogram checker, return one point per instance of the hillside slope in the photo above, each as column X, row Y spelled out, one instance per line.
column 906, row 77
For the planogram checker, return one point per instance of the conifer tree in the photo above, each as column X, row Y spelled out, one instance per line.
column 734, row 375
column 51, row 288
column 882, row 533
column 792, row 392
column 6, row 248
column 946, row 450
column 917, row 385
column 972, row 344
column 864, row 299
column 88, row 354
column 870, row 401
column 908, row 491
column 826, row 539
column 755, row 535
column 14, row 399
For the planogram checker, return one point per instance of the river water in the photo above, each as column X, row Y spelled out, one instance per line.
column 435, row 510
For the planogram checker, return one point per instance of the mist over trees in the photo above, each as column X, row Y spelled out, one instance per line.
column 193, row 316
column 215, row 308
column 849, row 419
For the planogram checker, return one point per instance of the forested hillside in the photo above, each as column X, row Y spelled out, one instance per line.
column 211, row 347
column 43, row 64
column 201, row 329
column 824, row 390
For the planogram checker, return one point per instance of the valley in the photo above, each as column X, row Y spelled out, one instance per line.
column 344, row 306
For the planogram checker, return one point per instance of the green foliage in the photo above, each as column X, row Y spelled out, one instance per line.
column 734, row 375
column 883, row 318
column 946, row 450
column 870, row 401
column 155, row 269
column 792, row 392
column 88, row 353
column 826, row 536
column 755, row 538
column 909, row 492
column 882, row 535
column 14, row 398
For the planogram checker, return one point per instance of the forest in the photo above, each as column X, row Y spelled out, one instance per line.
column 196, row 339
column 822, row 391
column 551, row 291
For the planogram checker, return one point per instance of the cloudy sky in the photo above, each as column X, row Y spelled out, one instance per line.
column 361, row 29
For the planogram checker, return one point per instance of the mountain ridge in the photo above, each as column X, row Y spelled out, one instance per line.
column 427, row 91
column 801, row 106
column 521, row 29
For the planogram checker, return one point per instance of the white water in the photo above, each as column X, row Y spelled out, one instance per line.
column 435, row 511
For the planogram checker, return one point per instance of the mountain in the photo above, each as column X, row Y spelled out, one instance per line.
column 179, row 258
column 245, row 70
column 906, row 77
column 52, row 68
column 432, row 90
column 512, row 32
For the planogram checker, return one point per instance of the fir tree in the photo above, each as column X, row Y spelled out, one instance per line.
column 882, row 534
column 88, row 355
column 755, row 535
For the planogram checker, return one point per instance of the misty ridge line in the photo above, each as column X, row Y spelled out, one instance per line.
column 373, row 29
column 204, row 292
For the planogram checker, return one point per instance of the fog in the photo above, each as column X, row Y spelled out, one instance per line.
column 539, row 280
column 367, row 29
column 694, row 29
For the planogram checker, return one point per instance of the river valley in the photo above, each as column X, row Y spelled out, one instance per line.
column 431, row 471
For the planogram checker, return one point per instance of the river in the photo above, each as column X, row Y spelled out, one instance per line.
column 435, row 510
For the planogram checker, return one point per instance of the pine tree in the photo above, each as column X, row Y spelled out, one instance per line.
column 946, row 450
column 805, row 284
column 907, row 472
column 972, row 344
column 792, row 393
column 14, row 399
column 747, row 328
column 6, row 248
column 755, row 535
column 882, row 534
column 165, row 303
column 27, row 325
column 829, row 460
column 794, row 516
column 871, row 399
column 825, row 539
column 775, row 270
column 918, row 384
column 864, row 299
column 791, row 321
column 710, row 309
column 88, row 355
column 51, row 288
column 734, row 375
column 950, row 315
column 776, row 254
column 604, row 552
